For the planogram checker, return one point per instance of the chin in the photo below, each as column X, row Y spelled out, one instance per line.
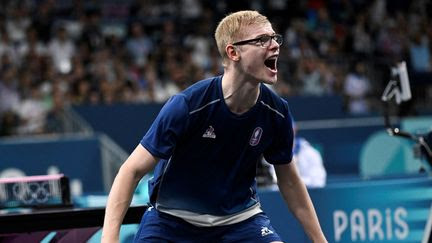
column 270, row 81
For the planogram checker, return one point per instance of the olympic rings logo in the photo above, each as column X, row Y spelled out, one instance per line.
column 3, row 195
column 32, row 192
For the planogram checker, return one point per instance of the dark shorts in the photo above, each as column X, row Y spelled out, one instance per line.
column 160, row 227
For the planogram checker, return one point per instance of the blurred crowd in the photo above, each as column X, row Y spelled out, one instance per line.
column 54, row 54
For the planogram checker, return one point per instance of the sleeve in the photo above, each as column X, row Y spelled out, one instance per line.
column 281, row 149
column 170, row 124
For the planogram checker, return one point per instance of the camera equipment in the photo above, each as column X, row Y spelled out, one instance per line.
column 399, row 89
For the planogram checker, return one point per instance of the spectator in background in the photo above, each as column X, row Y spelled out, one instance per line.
column 8, row 123
column 357, row 87
column 61, row 48
column 32, row 47
column 311, row 78
column 420, row 53
column 81, row 91
column 391, row 40
column 138, row 44
column 200, row 45
column 43, row 19
column 32, row 112
column 321, row 29
column 295, row 36
column 362, row 41
column 54, row 118
column 8, row 51
column 9, row 94
column 91, row 36
column 309, row 163
column 17, row 22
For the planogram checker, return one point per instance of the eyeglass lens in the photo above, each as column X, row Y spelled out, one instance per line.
column 265, row 40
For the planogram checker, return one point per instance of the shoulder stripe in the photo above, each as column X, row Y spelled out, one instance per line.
column 272, row 109
column 204, row 106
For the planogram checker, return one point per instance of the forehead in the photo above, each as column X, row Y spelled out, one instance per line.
column 254, row 30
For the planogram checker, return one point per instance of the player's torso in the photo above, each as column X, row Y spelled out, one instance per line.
column 213, row 166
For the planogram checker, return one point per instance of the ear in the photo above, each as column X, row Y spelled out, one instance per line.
column 232, row 53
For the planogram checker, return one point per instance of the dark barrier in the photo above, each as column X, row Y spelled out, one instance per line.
column 340, row 147
column 125, row 124
column 58, row 219
column 316, row 107
column 78, row 157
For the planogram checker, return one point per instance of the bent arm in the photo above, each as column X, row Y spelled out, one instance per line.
column 297, row 198
column 139, row 163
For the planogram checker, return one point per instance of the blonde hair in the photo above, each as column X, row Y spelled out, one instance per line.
column 229, row 28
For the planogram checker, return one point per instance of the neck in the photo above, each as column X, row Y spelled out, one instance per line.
column 240, row 94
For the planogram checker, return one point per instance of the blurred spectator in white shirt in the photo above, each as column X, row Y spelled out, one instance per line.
column 309, row 163
column 32, row 113
column 61, row 49
column 357, row 87
column 9, row 94
column 18, row 22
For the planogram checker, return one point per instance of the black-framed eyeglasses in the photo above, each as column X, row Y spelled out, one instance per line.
column 264, row 40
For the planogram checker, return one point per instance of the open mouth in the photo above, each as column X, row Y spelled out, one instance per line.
column 271, row 63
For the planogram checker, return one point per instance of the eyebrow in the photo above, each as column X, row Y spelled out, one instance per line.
column 261, row 35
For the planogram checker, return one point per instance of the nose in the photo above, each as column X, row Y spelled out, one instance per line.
column 274, row 44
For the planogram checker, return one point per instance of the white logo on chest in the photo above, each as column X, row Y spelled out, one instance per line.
column 209, row 133
column 256, row 136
